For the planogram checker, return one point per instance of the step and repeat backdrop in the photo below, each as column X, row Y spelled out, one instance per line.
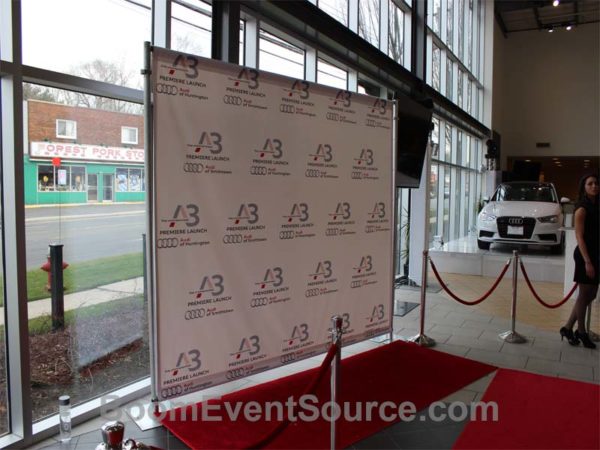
column 273, row 211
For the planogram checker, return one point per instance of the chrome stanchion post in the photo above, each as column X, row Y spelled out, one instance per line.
column 336, row 339
column 421, row 338
column 593, row 336
column 512, row 336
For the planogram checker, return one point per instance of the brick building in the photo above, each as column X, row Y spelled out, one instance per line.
column 82, row 155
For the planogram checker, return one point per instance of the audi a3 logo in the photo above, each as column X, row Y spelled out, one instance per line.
column 232, row 100
column 193, row 167
column 168, row 89
column 515, row 221
column 167, row 243
column 289, row 109
column 171, row 391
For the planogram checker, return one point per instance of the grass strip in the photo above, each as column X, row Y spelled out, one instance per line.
column 84, row 275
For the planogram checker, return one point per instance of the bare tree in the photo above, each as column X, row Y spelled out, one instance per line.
column 36, row 92
column 108, row 72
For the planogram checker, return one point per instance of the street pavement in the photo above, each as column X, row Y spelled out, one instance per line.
column 86, row 231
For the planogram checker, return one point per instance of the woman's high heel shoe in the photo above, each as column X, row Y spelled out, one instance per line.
column 567, row 333
column 585, row 339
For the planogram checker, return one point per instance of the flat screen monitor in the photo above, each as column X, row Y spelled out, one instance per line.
column 414, row 125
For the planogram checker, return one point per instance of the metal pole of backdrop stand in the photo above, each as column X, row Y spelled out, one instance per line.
column 336, row 339
column 593, row 336
column 512, row 336
column 421, row 338
column 149, row 240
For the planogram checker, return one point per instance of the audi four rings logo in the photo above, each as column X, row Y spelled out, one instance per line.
column 236, row 373
column 515, row 221
column 195, row 314
column 168, row 89
column 288, row 109
column 171, row 391
column 232, row 100
column 288, row 234
column 233, row 239
column 167, row 243
column 193, row 167
column 258, row 170
column 258, row 302
column 312, row 292
column 288, row 358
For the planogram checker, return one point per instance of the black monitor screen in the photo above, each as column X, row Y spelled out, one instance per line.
column 414, row 124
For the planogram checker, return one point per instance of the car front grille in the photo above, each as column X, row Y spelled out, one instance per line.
column 528, row 224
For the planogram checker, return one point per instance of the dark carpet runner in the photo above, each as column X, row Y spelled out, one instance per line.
column 397, row 372
column 537, row 412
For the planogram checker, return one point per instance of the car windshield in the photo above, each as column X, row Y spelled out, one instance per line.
column 525, row 193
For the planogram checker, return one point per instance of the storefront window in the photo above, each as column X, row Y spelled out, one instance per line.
column 130, row 180
column 62, row 178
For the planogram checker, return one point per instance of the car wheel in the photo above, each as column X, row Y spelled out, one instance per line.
column 483, row 245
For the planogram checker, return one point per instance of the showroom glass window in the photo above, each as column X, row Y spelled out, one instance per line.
column 368, row 21
column 103, row 346
column 114, row 54
column 338, row 9
column 280, row 56
column 4, row 400
column 191, row 26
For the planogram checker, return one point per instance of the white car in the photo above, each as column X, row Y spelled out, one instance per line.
column 522, row 213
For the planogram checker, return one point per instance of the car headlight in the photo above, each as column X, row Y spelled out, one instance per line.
column 548, row 219
column 485, row 217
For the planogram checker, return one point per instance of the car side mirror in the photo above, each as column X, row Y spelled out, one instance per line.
column 486, row 199
column 564, row 200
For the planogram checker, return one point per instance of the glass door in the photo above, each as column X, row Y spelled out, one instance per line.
column 108, row 182
column 92, row 187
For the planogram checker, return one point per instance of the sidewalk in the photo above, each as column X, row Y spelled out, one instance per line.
column 102, row 294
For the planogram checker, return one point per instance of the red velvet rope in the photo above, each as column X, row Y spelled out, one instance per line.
column 310, row 389
column 464, row 302
column 537, row 297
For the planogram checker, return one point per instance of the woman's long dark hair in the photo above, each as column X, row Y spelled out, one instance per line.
column 582, row 197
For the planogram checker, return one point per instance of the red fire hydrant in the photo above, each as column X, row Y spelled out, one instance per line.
column 46, row 267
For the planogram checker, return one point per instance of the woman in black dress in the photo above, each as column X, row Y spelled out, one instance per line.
column 587, row 259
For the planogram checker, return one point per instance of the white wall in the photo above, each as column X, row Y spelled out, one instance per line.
column 547, row 89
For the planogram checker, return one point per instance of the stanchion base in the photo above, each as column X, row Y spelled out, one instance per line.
column 422, row 340
column 594, row 336
column 512, row 337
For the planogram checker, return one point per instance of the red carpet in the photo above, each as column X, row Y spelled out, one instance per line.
column 536, row 411
column 397, row 372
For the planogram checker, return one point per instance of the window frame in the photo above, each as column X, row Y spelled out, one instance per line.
column 123, row 141
column 66, row 122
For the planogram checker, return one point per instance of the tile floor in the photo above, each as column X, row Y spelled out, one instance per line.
column 469, row 331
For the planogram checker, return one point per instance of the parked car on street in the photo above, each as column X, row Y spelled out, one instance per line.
column 522, row 212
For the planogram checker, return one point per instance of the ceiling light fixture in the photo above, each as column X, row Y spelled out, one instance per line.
column 551, row 30
column 556, row 3
column 569, row 27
